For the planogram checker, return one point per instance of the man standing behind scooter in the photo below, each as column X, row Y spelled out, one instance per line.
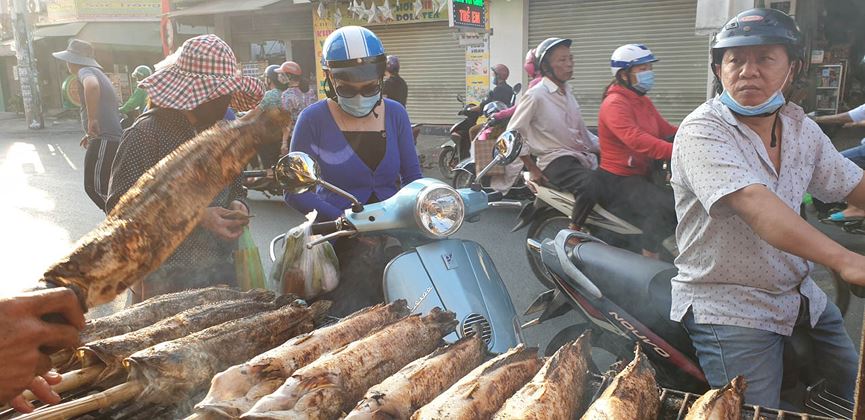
column 548, row 117
column 741, row 164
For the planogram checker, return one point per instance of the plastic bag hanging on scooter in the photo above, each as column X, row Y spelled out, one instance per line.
column 306, row 272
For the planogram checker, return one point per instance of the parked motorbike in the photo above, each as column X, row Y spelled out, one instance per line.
column 454, row 274
column 457, row 148
column 625, row 299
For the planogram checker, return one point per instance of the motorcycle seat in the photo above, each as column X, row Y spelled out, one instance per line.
column 639, row 285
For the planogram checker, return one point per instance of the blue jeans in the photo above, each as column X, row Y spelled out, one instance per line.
column 856, row 154
column 727, row 351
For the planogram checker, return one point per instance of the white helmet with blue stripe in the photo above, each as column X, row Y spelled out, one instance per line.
column 353, row 53
column 630, row 55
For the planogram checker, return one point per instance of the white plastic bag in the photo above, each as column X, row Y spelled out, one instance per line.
column 304, row 272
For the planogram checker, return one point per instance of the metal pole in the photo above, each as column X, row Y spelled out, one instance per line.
column 859, row 407
column 28, row 76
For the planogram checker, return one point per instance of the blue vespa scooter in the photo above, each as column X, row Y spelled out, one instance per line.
column 453, row 274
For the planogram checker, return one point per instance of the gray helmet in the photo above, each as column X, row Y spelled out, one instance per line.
column 546, row 46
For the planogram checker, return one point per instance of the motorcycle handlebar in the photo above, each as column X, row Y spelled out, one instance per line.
column 324, row 228
column 254, row 174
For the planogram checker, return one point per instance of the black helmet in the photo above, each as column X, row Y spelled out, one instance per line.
column 272, row 75
column 546, row 46
column 759, row 27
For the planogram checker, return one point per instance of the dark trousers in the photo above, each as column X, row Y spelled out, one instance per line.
column 97, row 169
column 646, row 205
column 568, row 174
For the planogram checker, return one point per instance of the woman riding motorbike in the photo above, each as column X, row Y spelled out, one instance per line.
column 631, row 133
column 364, row 145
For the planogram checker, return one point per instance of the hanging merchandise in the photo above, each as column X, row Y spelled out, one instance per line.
column 372, row 14
column 357, row 11
column 322, row 11
column 418, row 8
column 386, row 11
column 337, row 17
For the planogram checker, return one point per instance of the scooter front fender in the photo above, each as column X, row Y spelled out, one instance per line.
column 449, row 143
column 458, row 276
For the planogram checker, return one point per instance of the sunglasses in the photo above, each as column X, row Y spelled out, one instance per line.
column 347, row 91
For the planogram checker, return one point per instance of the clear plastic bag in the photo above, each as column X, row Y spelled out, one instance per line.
column 304, row 272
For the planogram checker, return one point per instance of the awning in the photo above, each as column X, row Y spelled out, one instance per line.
column 126, row 34
column 61, row 30
column 223, row 6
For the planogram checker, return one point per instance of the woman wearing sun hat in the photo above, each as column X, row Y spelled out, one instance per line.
column 188, row 96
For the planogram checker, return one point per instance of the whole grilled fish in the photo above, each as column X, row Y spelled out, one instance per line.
column 111, row 351
column 160, row 210
column 482, row 392
column 174, row 370
column 234, row 391
column 557, row 390
column 720, row 404
column 633, row 394
column 332, row 384
column 418, row 383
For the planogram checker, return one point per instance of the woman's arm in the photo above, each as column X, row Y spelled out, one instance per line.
column 409, row 166
column 305, row 133
column 618, row 116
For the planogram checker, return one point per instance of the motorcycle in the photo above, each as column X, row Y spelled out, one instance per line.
column 454, row 274
column 457, row 148
column 625, row 300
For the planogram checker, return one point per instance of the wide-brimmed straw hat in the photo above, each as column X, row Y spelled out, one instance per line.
column 205, row 70
column 78, row 52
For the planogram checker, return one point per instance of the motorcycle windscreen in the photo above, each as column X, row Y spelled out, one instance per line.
column 458, row 276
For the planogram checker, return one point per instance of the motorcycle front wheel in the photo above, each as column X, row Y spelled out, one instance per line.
column 463, row 178
column 544, row 226
column 448, row 160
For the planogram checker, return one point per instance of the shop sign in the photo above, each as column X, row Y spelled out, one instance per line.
column 321, row 27
column 477, row 68
column 61, row 11
column 383, row 12
column 468, row 14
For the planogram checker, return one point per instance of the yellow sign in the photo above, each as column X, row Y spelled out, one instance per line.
column 321, row 27
column 394, row 12
column 477, row 70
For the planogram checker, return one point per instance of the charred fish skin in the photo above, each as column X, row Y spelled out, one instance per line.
column 160, row 210
column 720, row 404
column 556, row 390
column 236, row 390
column 111, row 351
column 482, row 392
column 420, row 381
column 332, row 384
column 158, row 308
column 175, row 369
column 633, row 394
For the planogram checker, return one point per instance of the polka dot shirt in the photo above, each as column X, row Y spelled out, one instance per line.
column 727, row 274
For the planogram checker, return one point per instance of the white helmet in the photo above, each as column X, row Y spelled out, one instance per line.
column 630, row 55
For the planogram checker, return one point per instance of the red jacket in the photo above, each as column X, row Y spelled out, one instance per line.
column 631, row 133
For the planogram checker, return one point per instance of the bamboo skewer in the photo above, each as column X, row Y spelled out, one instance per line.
column 110, row 397
column 72, row 380
column 61, row 358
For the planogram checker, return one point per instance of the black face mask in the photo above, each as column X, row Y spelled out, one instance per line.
column 211, row 112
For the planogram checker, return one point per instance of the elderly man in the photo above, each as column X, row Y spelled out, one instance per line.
column 99, row 117
column 187, row 97
column 741, row 164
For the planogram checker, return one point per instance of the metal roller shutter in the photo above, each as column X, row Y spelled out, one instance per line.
column 598, row 27
column 432, row 62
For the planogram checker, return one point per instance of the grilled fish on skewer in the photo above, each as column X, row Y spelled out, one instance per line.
column 633, row 394
column 110, row 352
column 720, row 404
column 234, row 391
column 557, row 390
column 419, row 382
column 160, row 210
column 482, row 392
column 173, row 370
column 333, row 383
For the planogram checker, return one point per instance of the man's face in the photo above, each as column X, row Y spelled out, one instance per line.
column 752, row 74
column 209, row 113
column 561, row 62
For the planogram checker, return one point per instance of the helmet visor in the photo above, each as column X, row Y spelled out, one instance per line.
column 353, row 71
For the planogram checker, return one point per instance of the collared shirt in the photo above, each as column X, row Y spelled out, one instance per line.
column 549, row 119
column 727, row 274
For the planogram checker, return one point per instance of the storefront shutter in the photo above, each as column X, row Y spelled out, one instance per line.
column 433, row 65
column 597, row 27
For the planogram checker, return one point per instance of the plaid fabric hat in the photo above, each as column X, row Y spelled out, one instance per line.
column 205, row 70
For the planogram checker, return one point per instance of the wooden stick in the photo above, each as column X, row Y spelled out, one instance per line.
column 110, row 397
column 72, row 380
column 61, row 357
column 859, row 402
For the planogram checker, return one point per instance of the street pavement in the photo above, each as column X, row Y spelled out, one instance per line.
column 44, row 211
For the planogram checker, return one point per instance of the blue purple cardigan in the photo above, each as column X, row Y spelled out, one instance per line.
column 317, row 134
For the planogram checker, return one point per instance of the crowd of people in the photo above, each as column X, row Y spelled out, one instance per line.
column 741, row 164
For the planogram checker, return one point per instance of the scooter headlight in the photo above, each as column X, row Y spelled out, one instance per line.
column 440, row 211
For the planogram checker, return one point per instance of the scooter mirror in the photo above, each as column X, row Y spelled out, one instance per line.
column 517, row 88
column 508, row 147
column 296, row 172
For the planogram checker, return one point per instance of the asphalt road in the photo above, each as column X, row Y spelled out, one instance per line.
column 44, row 211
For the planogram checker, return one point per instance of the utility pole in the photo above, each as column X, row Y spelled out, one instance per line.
column 27, row 74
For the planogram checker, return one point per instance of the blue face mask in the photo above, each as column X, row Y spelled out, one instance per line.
column 645, row 81
column 358, row 105
column 768, row 107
